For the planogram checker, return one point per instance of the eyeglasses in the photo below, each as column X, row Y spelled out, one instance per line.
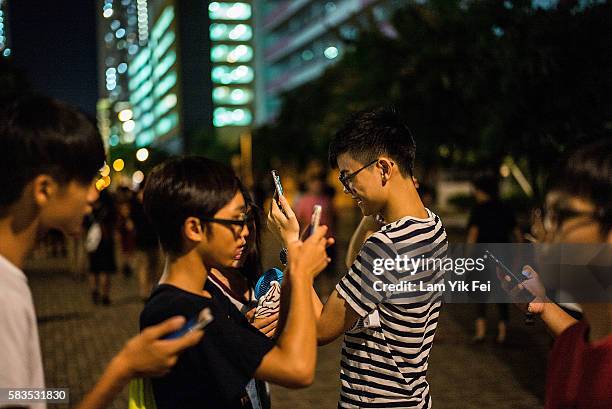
column 245, row 219
column 345, row 179
column 555, row 216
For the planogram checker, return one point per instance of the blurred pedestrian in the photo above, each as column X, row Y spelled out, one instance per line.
column 319, row 192
column 126, row 230
column 100, row 246
column 147, row 257
column 491, row 221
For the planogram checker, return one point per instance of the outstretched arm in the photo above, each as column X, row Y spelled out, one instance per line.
column 292, row 361
column 143, row 355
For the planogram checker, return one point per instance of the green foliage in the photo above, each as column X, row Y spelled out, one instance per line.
column 484, row 79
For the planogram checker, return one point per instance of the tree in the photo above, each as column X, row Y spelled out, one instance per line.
column 477, row 81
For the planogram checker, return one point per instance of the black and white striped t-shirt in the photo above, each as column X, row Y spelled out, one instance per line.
column 384, row 364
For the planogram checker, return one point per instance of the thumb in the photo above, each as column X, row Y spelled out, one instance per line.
column 528, row 271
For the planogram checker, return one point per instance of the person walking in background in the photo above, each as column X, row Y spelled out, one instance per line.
column 126, row 230
column 146, row 255
column 491, row 221
column 101, row 248
column 317, row 192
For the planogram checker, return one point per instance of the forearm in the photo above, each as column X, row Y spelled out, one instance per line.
column 113, row 380
column 316, row 304
column 556, row 319
column 297, row 340
column 365, row 229
column 284, row 306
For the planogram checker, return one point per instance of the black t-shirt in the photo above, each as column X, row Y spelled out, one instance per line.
column 214, row 373
column 495, row 222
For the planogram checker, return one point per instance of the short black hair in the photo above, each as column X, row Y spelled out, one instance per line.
column 183, row 187
column 252, row 268
column 587, row 173
column 40, row 135
column 366, row 135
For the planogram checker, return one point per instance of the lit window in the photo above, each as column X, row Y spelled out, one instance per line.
column 228, row 96
column 224, row 74
column 232, row 117
column 233, row 32
column 331, row 52
column 163, row 23
column 229, row 11
column 231, row 54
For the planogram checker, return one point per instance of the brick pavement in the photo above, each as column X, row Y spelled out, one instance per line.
column 78, row 339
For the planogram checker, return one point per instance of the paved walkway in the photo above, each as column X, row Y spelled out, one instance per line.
column 78, row 339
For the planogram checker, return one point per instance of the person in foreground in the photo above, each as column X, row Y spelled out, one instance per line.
column 386, row 342
column 577, row 211
column 51, row 156
column 200, row 215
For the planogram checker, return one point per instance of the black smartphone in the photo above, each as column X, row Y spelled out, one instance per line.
column 517, row 280
column 505, row 269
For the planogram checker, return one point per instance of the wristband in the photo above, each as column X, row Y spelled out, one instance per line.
column 284, row 256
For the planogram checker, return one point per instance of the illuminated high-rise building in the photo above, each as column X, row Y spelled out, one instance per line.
column 195, row 78
column 120, row 36
column 298, row 39
column 5, row 45
column 169, row 79
column 233, row 71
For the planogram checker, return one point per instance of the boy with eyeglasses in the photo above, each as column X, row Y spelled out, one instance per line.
column 387, row 340
column 578, row 211
column 200, row 215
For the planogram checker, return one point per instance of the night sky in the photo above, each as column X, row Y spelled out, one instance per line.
column 55, row 43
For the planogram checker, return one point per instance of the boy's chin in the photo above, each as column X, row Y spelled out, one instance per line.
column 236, row 264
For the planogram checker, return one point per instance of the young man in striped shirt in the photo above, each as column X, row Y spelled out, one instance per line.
column 387, row 334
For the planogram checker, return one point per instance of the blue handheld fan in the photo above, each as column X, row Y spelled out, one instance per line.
column 263, row 284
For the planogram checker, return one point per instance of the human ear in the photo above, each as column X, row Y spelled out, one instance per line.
column 386, row 167
column 43, row 188
column 193, row 229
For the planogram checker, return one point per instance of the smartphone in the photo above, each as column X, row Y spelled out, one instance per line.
column 529, row 320
column 278, row 188
column 505, row 269
column 196, row 323
column 277, row 182
column 315, row 220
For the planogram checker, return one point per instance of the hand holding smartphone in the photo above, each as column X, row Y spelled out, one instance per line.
column 515, row 279
column 315, row 221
